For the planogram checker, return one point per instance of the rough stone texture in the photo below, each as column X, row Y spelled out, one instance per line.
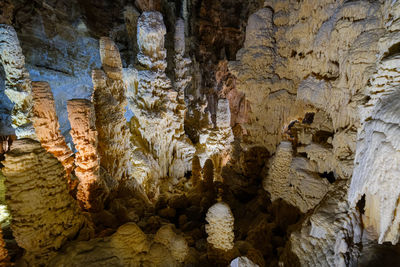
column 285, row 45
column 294, row 179
column 44, row 215
column 17, row 82
column 331, row 235
column 129, row 246
column 159, row 111
column 46, row 125
column 91, row 189
column 238, row 105
column 220, row 226
column 376, row 164
column 176, row 244
column 182, row 63
column 109, row 103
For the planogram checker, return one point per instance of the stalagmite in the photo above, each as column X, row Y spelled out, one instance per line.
column 196, row 171
column 294, row 179
column 208, row 174
column 159, row 109
column 91, row 189
column 109, row 104
column 18, row 83
column 44, row 215
column 47, row 127
column 220, row 226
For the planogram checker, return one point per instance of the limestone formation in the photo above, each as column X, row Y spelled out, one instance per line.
column 176, row 244
column 18, row 84
column 196, row 171
column 331, row 235
column 46, row 125
column 182, row 64
column 109, row 103
column 44, row 215
column 208, row 174
column 220, row 226
column 376, row 164
column 91, row 189
column 295, row 179
column 157, row 106
column 129, row 246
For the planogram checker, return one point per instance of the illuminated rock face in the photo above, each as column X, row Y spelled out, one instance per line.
column 109, row 103
column 220, row 226
column 331, row 235
column 158, row 107
column 376, row 168
column 44, row 215
column 47, row 127
column 294, row 179
column 92, row 189
column 17, row 82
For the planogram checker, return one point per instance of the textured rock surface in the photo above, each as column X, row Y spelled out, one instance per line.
column 129, row 246
column 44, row 215
column 331, row 235
column 109, row 103
column 158, row 109
column 91, row 189
column 47, row 128
column 220, row 226
column 294, row 179
column 17, row 82
column 376, row 164
column 176, row 244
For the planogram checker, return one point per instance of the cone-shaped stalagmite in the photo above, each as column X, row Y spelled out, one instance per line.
column 91, row 190
column 44, row 215
column 47, row 127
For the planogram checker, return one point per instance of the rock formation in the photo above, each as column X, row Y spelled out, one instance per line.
column 92, row 189
column 285, row 110
column 375, row 172
column 47, row 128
column 18, row 84
column 158, row 109
column 109, row 103
column 129, row 246
column 220, row 226
column 295, row 180
column 331, row 235
column 36, row 181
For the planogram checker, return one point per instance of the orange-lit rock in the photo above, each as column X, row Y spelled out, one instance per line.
column 91, row 189
column 47, row 127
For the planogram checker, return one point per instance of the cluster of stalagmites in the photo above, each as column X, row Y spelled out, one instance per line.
column 314, row 80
